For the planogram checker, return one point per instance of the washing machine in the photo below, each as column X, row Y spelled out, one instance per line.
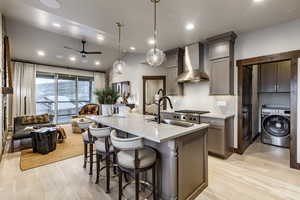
column 275, row 125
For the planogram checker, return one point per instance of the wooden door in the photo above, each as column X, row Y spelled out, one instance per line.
column 245, row 108
column 268, row 77
column 283, row 76
column 220, row 77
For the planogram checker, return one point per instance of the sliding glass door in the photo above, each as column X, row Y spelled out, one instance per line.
column 62, row 95
column 45, row 94
column 85, row 91
column 66, row 98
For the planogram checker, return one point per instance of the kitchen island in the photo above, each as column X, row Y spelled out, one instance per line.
column 182, row 168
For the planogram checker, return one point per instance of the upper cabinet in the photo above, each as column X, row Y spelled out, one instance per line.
column 221, row 58
column 275, row 77
column 174, row 67
column 268, row 77
column 283, row 76
column 219, row 50
column 219, row 78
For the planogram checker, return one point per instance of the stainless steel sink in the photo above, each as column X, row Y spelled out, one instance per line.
column 174, row 122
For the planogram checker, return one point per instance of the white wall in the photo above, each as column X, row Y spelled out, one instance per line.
column 134, row 73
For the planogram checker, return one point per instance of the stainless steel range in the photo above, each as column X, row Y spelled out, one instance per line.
column 192, row 116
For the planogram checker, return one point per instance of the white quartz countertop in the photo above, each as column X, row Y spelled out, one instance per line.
column 210, row 115
column 140, row 125
column 217, row 115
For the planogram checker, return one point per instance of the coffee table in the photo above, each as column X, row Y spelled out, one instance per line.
column 44, row 140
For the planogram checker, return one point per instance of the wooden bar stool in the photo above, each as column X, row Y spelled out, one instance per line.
column 88, row 142
column 104, row 150
column 134, row 158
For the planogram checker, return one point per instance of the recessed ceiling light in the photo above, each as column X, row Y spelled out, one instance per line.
column 132, row 48
column 51, row 3
column 72, row 58
column 41, row 53
column 56, row 25
column 100, row 37
column 151, row 41
column 189, row 26
column 97, row 62
column 258, row 1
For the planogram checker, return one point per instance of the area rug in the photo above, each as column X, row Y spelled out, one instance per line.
column 71, row 147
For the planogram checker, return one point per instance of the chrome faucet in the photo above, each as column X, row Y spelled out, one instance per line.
column 159, row 101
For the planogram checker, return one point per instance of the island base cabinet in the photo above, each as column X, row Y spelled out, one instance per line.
column 182, row 172
column 192, row 165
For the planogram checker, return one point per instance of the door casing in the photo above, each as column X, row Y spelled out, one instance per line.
column 293, row 57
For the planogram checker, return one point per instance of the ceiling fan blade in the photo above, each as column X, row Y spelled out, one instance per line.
column 94, row 52
column 69, row 48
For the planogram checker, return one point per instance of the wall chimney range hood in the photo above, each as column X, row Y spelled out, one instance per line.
column 193, row 65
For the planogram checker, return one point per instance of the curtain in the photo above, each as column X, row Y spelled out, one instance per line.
column 99, row 79
column 24, row 89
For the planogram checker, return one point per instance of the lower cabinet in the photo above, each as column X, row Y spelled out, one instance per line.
column 219, row 136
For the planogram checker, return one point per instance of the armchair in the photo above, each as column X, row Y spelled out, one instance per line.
column 88, row 109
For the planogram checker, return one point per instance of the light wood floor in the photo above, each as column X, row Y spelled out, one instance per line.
column 262, row 173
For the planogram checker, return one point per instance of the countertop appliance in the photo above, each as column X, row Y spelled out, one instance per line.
column 192, row 116
column 275, row 125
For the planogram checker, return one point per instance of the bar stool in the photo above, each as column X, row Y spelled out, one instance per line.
column 104, row 150
column 88, row 142
column 134, row 158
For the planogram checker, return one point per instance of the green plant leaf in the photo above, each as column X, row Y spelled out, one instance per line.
column 107, row 96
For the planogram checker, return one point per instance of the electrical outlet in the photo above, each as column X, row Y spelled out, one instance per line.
column 221, row 103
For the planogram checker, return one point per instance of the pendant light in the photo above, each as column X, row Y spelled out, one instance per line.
column 155, row 56
column 119, row 64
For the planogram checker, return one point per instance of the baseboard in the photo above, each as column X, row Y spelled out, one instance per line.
column 297, row 166
column 3, row 149
column 255, row 137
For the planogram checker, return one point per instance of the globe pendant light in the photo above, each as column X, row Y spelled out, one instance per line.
column 155, row 56
column 119, row 64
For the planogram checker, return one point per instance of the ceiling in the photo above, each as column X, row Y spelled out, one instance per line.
column 89, row 18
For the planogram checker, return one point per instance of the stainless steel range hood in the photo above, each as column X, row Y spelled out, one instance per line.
column 193, row 64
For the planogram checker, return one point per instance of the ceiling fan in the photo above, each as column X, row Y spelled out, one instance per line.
column 83, row 52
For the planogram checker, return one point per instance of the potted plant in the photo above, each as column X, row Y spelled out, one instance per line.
column 107, row 97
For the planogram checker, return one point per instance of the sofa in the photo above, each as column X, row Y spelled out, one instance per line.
column 22, row 126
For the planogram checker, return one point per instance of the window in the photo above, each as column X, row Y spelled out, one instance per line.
column 45, row 94
column 62, row 95
column 66, row 99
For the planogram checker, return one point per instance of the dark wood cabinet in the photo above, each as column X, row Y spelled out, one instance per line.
column 283, row 76
column 275, row 77
column 220, row 136
column 221, row 56
column 174, row 67
column 219, row 77
column 219, row 50
column 268, row 77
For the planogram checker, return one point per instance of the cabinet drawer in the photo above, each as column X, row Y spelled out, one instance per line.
column 220, row 123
